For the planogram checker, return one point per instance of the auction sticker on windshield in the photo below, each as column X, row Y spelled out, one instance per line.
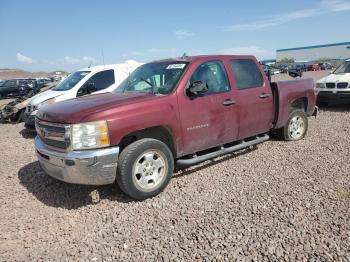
column 176, row 66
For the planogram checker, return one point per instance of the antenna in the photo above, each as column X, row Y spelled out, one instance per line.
column 103, row 57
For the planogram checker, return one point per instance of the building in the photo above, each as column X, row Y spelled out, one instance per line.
column 312, row 53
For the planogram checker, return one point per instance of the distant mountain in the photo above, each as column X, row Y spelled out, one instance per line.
column 7, row 73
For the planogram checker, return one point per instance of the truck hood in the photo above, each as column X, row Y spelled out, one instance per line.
column 41, row 97
column 334, row 78
column 74, row 110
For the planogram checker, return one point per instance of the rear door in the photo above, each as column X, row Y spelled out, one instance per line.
column 208, row 120
column 255, row 100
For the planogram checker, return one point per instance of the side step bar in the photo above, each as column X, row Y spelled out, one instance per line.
column 223, row 151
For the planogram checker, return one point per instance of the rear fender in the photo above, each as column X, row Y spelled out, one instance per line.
column 293, row 94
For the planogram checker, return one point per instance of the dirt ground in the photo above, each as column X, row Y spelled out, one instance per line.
column 282, row 201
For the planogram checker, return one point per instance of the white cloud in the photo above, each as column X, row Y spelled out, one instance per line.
column 328, row 6
column 182, row 34
column 246, row 50
column 336, row 5
column 273, row 21
column 75, row 61
column 24, row 59
column 71, row 60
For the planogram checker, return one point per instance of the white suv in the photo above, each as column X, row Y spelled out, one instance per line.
column 335, row 88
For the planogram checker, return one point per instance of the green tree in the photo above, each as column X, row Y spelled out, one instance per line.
column 322, row 60
column 286, row 60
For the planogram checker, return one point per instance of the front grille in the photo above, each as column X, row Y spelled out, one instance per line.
column 52, row 134
column 342, row 85
column 326, row 92
column 330, row 85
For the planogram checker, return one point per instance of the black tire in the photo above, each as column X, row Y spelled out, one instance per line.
column 132, row 156
column 286, row 134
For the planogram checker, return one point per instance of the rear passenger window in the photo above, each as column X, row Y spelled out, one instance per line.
column 102, row 79
column 247, row 73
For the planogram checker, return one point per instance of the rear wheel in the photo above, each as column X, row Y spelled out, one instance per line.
column 145, row 168
column 296, row 126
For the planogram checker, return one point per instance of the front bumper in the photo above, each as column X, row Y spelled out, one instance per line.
column 88, row 167
column 341, row 97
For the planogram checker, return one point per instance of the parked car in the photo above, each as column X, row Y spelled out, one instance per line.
column 17, row 87
column 283, row 68
column 14, row 110
column 93, row 80
column 313, row 67
column 325, row 66
column 274, row 71
column 335, row 88
column 175, row 111
column 43, row 82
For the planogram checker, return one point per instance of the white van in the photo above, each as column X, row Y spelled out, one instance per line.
column 92, row 80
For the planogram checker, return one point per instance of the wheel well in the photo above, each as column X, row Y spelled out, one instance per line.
column 300, row 103
column 160, row 133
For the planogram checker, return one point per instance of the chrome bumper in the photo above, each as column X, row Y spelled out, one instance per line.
column 89, row 167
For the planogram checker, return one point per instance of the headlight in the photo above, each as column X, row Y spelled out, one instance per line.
column 47, row 102
column 320, row 85
column 89, row 135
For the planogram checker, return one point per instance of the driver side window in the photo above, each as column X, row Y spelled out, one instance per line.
column 10, row 83
column 213, row 74
column 101, row 80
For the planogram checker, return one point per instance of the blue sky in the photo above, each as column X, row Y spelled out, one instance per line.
column 52, row 35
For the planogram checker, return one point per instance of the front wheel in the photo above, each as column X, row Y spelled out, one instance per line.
column 145, row 168
column 296, row 126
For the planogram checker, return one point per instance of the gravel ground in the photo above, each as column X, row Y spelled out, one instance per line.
column 281, row 201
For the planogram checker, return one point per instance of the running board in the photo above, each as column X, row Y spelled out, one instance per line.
column 223, row 151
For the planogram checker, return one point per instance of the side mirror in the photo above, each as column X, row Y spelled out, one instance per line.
column 90, row 88
column 197, row 88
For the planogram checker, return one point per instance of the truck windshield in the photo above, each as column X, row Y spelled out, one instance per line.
column 158, row 78
column 342, row 69
column 71, row 81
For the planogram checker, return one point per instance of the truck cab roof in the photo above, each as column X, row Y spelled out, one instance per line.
column 204, row 57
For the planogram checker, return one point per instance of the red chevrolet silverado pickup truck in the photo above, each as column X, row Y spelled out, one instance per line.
column 175, row 111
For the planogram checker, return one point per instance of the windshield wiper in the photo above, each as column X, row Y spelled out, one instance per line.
column 148, row 82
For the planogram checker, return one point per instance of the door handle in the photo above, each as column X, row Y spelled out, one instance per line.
column 229, row 102
column 264, row 95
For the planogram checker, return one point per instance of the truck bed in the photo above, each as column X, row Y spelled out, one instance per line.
column 286, row 93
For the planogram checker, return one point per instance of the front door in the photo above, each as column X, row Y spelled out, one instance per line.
column 208, row 120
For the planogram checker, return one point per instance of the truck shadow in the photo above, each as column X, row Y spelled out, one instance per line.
column 181, row 171
column 27, row 134
column 55, row 193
